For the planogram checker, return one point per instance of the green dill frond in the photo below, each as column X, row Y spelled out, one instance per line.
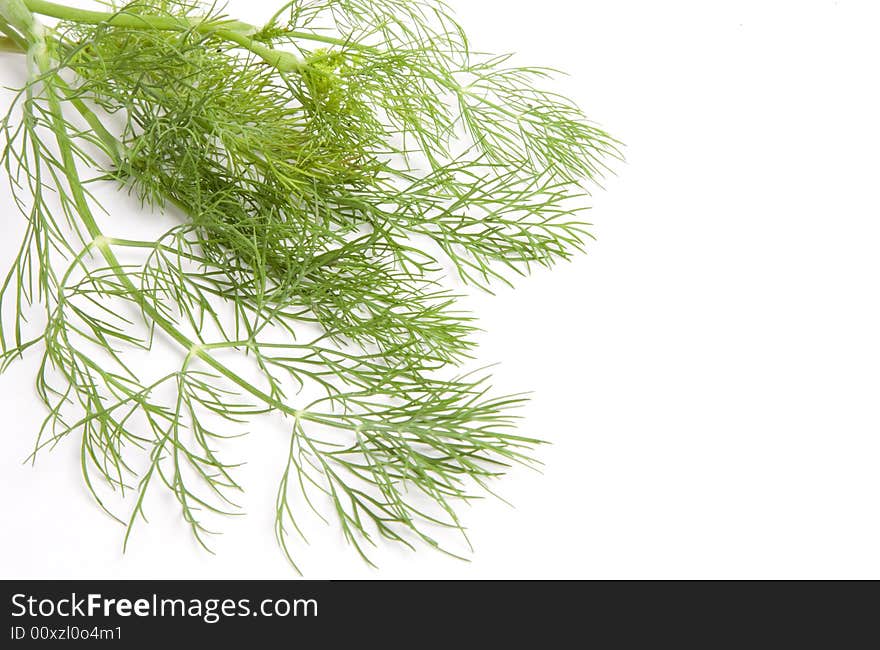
column 328, row 166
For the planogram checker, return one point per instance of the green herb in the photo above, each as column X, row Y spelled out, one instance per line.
column 329, row 164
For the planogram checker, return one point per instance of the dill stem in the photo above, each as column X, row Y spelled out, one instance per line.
column 233, row 31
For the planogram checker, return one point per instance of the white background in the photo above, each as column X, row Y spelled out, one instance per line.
column 709, row 374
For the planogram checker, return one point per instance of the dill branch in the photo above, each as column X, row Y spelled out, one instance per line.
column 328, row 164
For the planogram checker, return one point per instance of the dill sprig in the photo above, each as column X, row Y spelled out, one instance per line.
column 329, row 163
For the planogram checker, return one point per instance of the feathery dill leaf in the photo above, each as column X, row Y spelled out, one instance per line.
column 314, row 157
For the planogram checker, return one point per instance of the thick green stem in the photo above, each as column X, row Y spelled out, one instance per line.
column 16, row 14
column 73, row 14
column 233, row 31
